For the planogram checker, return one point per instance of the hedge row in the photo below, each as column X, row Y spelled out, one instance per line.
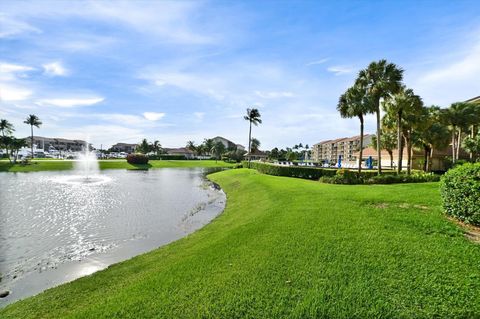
column 167, row 157
column 290, row 171
column 341, row 176
column 460, row 189
column 137, row 158
column 352, row 177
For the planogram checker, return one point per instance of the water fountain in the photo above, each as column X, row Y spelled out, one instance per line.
column 86, row 169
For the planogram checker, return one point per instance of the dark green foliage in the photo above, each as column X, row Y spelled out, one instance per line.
column 137, row 159
column 460, row 189
column 351, row 178
column 291, row 171
column 167, row 157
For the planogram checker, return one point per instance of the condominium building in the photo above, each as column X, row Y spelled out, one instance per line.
column 124, row 147
column 59, row 144
column 329, row 151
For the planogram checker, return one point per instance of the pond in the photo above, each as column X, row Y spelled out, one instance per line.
column 55, row 229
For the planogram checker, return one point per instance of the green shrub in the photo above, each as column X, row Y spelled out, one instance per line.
column 460, row 189
column 137, row 159
column 290, row 171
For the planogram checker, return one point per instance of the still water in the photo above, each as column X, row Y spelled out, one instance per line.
column 55, row 227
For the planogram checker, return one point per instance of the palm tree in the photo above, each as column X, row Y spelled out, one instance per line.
column 208, row 144
column 253, row 117
column 388, row 143
column 156, row 147
column 399, row 104
column 144, row 147
column 218, row 149
column 16, row 144
column 380, row 80
column 432, row 135
column 191, row 146
column 32, row 120
column 457, row 116
column 255, row 144
column 353, row 103
column 7, row 128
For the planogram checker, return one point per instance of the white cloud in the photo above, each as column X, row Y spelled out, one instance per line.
column 13, row 93
column 71, row 102
column 199, row 115
column 274, row 94
column 451, row 81
column 340, row 69
column 10, row 27
column 55, row 69
column 11, row 68
column 321, row 61
column 153, row 116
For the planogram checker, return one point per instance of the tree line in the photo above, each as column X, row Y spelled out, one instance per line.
column 10, row 143
column 407, row 122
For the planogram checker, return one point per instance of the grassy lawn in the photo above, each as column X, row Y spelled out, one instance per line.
column 56, row 165
column 291, row 248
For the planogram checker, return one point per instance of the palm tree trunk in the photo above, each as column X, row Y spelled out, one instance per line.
column 379, row 149
column 361, row 145
column 250, row 138
column 459, row 141
column 409, row 153
column 425, row 158
column 399, row 142
column 391, row 159
column 31, row 141
column 453, row 143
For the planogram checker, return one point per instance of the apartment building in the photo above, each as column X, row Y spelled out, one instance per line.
column 329, row 151
column 59, row 144
column 124, row 147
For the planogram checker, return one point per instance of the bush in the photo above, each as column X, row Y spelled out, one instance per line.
column 167, row 157
column 290, row 171
column 460, row 189
column 137, row 159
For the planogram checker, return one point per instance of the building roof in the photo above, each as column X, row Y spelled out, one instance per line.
column 474, row 99
column 59, row 139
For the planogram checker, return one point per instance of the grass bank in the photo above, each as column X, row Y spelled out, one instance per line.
column 288, row 247
column 59, row 165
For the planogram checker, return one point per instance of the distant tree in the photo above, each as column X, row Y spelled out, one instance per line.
column 144, row 147
column 379, row 81
column 32, row 120
column 191, row 146
column 291, row 156
column 274, row 153
column 15, row 145
column 156, row 147
column 459, row 116
column 255, row 144
column 388, row 143
column 208, row 144
column 6, row 128
column 472, row 145
column 218, row 149
column 354, row 103
column 253, row 117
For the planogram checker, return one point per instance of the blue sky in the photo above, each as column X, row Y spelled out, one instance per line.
column 114, row 71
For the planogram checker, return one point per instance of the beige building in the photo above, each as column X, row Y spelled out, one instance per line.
column 228, row 144
column 48, row 144
column 124, row 147
column 330, row 150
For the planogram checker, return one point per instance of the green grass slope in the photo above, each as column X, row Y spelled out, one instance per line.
column 291, row 248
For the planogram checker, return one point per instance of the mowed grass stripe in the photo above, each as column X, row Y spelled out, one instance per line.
column 291, row 248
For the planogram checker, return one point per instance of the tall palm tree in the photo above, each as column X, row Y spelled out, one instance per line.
column 208, row 144
column 253, row 117
column 32, row 120
column 353, row 103
column 398, row 106
column 380, row 80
